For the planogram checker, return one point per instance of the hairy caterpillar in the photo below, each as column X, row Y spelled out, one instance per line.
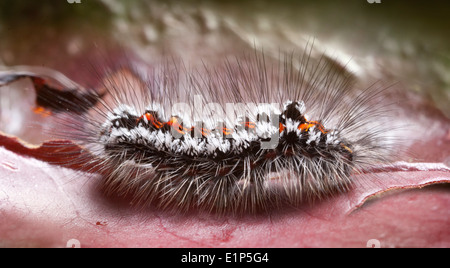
column 247, row 135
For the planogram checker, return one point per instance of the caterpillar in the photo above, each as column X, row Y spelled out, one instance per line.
column 248, row 135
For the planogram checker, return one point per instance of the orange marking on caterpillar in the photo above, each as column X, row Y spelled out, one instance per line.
column 150, row 118
column 227, row 131
column 281, row 127
column 173, row 122
column 309, row 124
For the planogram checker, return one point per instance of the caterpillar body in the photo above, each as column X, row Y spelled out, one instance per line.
column 240, row 137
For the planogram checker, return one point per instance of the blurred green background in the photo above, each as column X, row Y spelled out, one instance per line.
column 401, row 40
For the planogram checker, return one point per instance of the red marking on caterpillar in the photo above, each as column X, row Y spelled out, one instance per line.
column 157, row 142
column 173, row 122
